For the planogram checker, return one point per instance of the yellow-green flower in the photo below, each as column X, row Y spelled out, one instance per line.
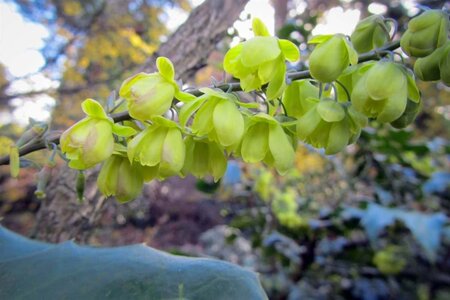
column 149, row 95
column 204, row 158
column 332, row 55
column 370, row 33
column 217, row 117
column 425, row 33
column 382, row 92
column 295, row 97
column 120, row 179
column 90, row 141
column 160, row 147
column 265, row 140
column 261, row 60
column 330, row 125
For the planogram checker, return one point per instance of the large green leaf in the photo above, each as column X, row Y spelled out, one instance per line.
column 36, row 270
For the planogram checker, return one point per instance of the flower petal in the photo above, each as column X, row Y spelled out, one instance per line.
column 93, row 109
column 228, row 123
column 330, row 111
column 165, row 68
column 152, row 145
column 290, row 50
column 259, row 50
column 255, row 143
column 281, row 149
column 174, row 150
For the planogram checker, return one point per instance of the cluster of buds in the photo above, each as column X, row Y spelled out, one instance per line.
column 427, row 39
column 328, row 111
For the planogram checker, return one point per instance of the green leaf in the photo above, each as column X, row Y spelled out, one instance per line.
column 93, row 109
column 36, row 270
column 290, row 50
column 259, row 28
column 319, row 39
column 122, row 130
column 165, row 68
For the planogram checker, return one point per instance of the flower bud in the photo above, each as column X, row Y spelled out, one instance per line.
column 370, row 33
column 160, row 146
column 265, row 140
column 43, row 178
column 120, row 179
column 36, row 131
column 425, row 33
column 217, row 117
column 427, row 68
column 331, row 57
column 383, row 90
column 261, row 60
column 80, row 185
column 149, row 95
column 204, row 157
column 90, row 141
column 14, row 161
column 330, row 125
column 87, row 142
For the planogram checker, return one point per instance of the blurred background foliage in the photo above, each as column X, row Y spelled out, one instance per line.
column 369, row 223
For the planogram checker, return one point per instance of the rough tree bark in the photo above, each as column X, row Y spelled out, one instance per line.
column 61, row 216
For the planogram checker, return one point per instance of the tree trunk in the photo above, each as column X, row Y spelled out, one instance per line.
column 281, row 11
column 61, row 216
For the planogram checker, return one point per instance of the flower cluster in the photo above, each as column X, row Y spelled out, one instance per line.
column 327, row 111
column 260, row 61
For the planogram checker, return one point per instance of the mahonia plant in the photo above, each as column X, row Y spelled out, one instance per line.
column 327, row 107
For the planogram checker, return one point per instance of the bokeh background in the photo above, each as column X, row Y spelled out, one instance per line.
column 369, row 223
